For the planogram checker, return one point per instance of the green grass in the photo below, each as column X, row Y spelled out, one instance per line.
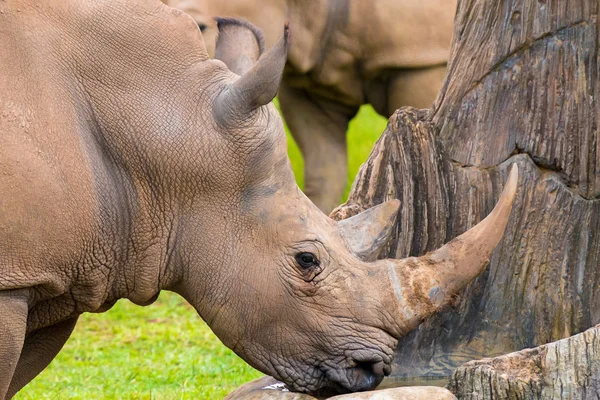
column 164, row 351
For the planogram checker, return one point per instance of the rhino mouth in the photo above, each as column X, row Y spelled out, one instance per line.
column 362, row 374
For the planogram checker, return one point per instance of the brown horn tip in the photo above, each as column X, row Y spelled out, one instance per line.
column 483, row 237
column 422, row 285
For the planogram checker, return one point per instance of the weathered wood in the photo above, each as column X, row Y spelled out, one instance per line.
column 566, row 369
column 522, row 87
column 523, row 75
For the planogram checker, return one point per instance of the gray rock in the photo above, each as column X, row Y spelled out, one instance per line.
column 267, row 388
column 401, row 393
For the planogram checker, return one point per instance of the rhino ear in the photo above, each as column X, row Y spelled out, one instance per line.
column 368, row 232
column 239, row 44
column 256, row 87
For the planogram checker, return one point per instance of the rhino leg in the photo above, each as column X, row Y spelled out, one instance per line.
column 13, row 325
column 411, row 87
column 319, row 127
column 39, row 349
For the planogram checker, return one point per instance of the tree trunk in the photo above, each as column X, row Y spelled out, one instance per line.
column 521, row 87
column 567, row 369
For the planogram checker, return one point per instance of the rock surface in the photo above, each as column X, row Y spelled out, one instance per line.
column 267, row 388
column 401, row 393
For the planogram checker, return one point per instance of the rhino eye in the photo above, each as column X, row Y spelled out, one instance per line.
column 201, row 26
column 307, row 260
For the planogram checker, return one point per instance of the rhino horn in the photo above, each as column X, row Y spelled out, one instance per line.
column 257, row 86
column 423, row 285
column 368, row 232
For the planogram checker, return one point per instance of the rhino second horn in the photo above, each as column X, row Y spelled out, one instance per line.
column 422, row 285
column 368, row 232
column 255, row 88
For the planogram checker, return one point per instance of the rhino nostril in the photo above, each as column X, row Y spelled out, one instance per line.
column 378, row 368
column 368, row 375
column 381, row 368
column 377, row 362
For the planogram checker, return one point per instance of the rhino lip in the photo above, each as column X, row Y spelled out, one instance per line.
column 366, row 376
column 363, row 372
column 360, row 378
column 379, row 362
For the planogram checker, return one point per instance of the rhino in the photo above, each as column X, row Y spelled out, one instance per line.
column 131, row 163
column 389, row 53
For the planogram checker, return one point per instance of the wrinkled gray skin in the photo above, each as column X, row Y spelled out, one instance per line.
column 130, row 163
column 343, row 53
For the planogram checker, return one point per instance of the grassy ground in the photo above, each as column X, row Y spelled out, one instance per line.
column 163, row 351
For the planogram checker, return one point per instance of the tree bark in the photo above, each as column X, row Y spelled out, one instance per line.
column 566, row 369
column 522, row 87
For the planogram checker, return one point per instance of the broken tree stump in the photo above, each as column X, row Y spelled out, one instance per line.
column 566, row 369
column 522, row 87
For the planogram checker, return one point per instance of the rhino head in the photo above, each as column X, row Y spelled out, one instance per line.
column 296, row 294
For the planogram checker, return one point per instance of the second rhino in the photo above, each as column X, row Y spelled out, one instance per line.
column 343, row 54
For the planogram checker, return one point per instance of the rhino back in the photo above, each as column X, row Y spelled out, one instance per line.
column 405, row 33
column 342, row 44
